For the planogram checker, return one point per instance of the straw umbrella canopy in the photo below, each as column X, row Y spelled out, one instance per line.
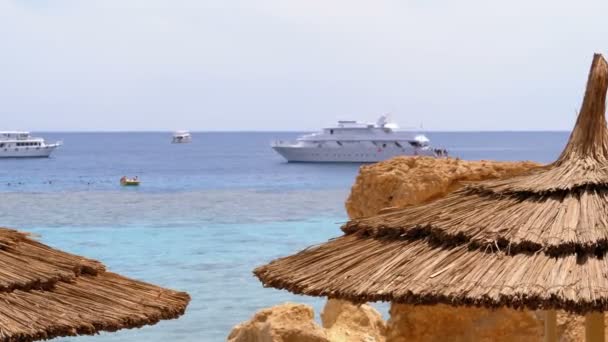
column 535, row 241
column 47, row 293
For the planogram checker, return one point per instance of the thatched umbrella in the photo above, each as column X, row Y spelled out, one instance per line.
column 47, row 293
column 535, row 241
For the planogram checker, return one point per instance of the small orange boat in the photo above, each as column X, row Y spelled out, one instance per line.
column 124, row 181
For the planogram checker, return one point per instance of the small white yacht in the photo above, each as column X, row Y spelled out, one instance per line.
column 23, row 145
column 358, row 142
column 181, row 137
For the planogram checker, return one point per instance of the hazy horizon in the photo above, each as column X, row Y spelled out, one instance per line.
column 287, row 131
column 271, row 65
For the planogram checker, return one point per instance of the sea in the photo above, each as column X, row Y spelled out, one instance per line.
column 206, row 213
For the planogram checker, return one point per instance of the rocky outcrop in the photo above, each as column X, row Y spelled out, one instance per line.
column 405, row 181
column 288, row 322
column 464, row 324
column 445, row 323
column 395, row 183
column 346, row 322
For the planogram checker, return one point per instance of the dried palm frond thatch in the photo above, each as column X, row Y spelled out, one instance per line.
column 47, row 293
column 536, row 241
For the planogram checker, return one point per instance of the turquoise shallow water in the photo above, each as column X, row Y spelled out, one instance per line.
column 206, row 214
column 212, row 263
column 191, row 241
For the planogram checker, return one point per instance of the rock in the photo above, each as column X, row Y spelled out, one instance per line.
column 466, row 324
column 462, row 324
column 405, row 181
column 571, row 328
column 347, row 322
column 288, row 322
column 396, row 183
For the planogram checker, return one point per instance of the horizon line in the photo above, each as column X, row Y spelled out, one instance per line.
column 297, row 131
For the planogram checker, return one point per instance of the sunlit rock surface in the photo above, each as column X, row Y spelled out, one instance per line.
column 446, row 323
column 344, row 321
column 400, row 182
column 288, row 322
column 405, row 181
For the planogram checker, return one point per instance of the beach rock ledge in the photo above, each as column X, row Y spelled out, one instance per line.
column 289, row 322
column 400, row 182
column 404, row 181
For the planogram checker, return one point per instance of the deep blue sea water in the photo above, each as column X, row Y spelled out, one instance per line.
column 206, row 213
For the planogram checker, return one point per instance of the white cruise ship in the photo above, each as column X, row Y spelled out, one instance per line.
column 23, row 145
column 357, row 142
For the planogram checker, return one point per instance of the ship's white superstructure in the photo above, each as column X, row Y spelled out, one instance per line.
column 181, row 137
column 352, row 141
column 23, row 145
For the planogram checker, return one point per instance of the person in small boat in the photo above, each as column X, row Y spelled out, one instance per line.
column 129, row 181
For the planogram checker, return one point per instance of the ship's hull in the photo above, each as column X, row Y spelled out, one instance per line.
column 28, row 152
column 185, row 140
column 346, row 154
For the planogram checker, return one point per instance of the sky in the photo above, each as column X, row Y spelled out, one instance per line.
column 248, row 65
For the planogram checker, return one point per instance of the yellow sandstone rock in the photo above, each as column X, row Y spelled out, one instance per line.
column 444, row 323
column 406, row 181
column 403, row 181
column 400, row 182
column 288, row 322
column 347, row 322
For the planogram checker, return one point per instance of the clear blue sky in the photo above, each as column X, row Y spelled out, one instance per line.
column 295, row 65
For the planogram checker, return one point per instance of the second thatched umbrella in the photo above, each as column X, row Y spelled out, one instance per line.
column 47, row 293
column 536, row 241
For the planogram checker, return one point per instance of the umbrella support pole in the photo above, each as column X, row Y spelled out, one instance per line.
column 594, row 327
column 550, row 326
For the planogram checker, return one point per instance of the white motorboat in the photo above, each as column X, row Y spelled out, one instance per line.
column 181, row 137
column 23, row 145
column 359, row 142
